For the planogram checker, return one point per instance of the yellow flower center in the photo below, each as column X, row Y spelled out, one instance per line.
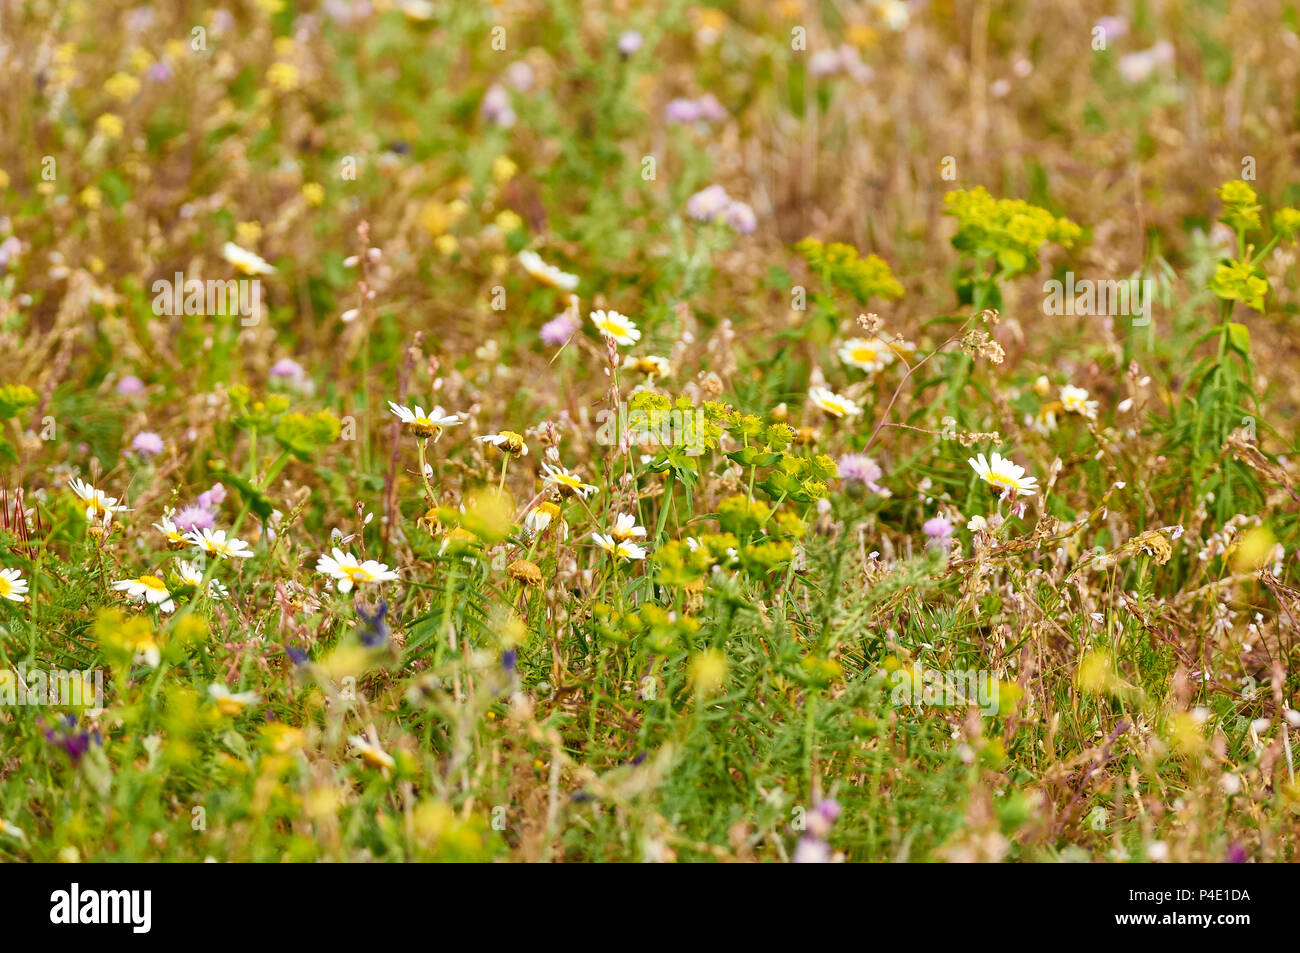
column 6, row 587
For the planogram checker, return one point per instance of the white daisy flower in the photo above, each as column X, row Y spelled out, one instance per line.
column 175, row 536
column 245, row 261
column 350, row 571
column 12, row 830
column 541, row 516
column 567, row 482
column 97, row 503
column 832, row 403
column 548, row 275
column 651, row 365
column 1075, row 401
column 191, row 574
column 618, row 328
column 12, row 585
column 369, row 751
column 1043, row 422
column 425, row 425
column 214, row 543
column 152, row 589
column 507, row 441
column 228, row 702
column 619, row 550
column 869, row 354
column 1001, row 474
column 625, row 528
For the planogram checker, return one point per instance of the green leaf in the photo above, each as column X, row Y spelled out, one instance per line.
column 1239, row 337
column 258, row 502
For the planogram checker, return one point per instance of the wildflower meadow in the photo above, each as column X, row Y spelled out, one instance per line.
column 562, row 431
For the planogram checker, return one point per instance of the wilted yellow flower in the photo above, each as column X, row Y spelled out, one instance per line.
column 529, row 573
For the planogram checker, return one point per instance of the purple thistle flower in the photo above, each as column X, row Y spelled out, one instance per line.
column 707, row 204
column 520, row 75
column 287, row 367
column 212, row 498
column 629, row 42
column 1112, row 27
column 740, row 217
column 558, row 330
column 130, row 385
column 710, row 109
column 147, row 443
column 682, row 110
column 858, row 468
column 937, row 528
column 496, row 106
column 810, row 850
column 193, row 518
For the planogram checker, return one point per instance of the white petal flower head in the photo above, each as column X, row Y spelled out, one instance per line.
column 424, row 425
column 507, row 441
column 618, row 328
column 831, row 403
column 652, row 365
column 173, row 533
column 368, row 749
column 13, row 586
column 868, row 354
column 189, row 572
column 152, row 589
column 228, row 702
column 1075, row 401
column 98, row 505
column 1001, row 474
column 565, row 481
column 548, row 275
column 214, row 542
column 246, row 262
column 350, row 571
column 618, row 549
column 625, row 528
